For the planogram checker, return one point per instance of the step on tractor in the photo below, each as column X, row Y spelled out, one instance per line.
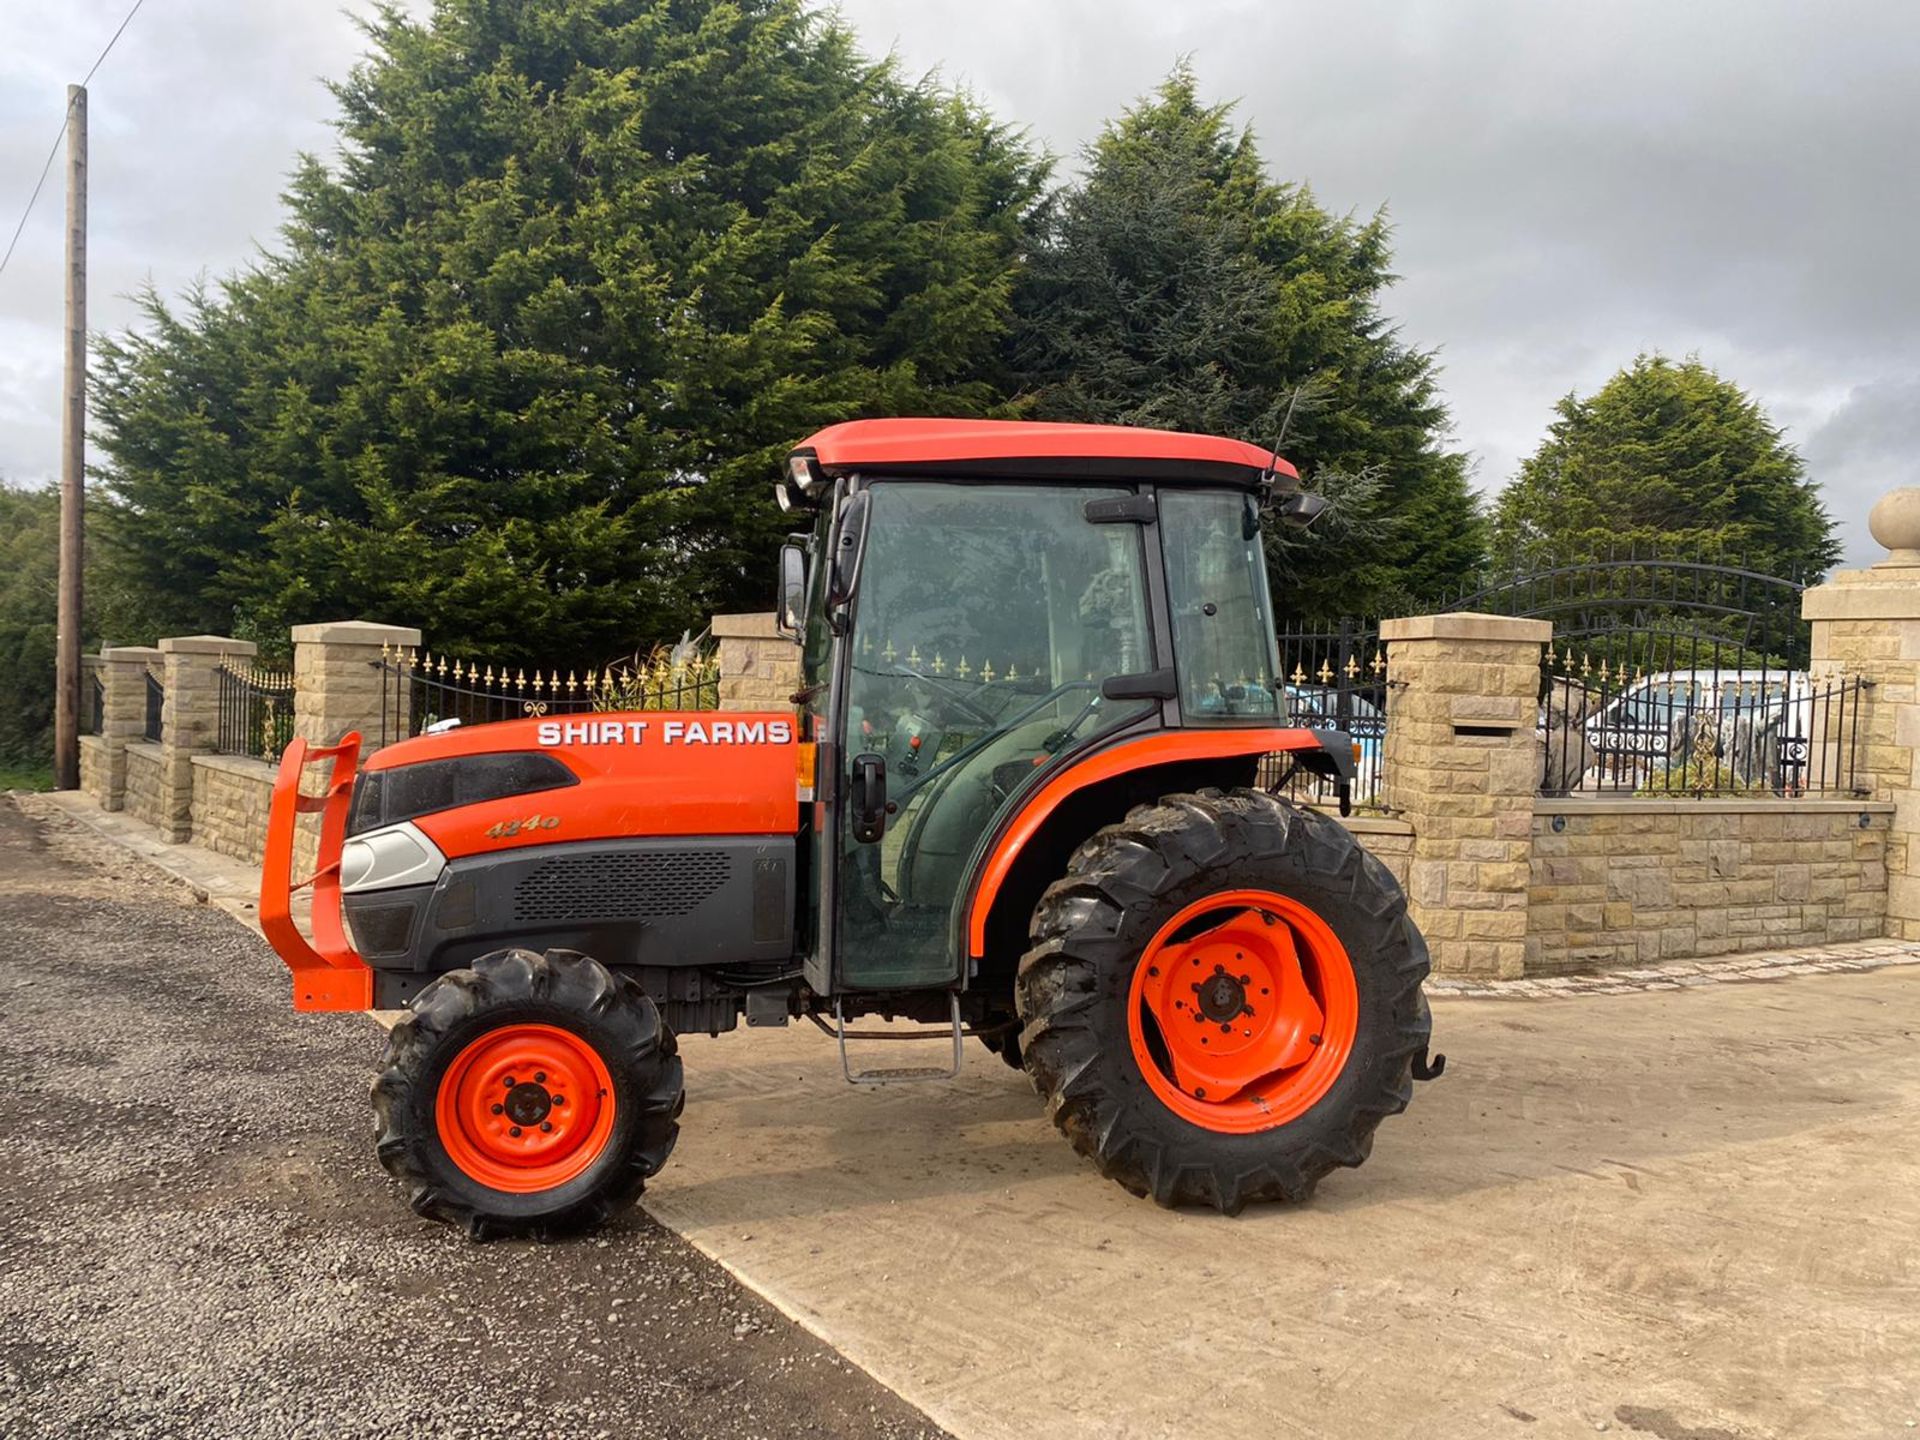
column 1014, row 799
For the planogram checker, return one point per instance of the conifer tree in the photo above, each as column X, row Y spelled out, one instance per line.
column 534, row 347
column 1180, row 286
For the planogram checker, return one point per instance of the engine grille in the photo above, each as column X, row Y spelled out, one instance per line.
column 621, row 885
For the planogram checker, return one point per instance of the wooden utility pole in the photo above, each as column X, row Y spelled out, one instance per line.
column 73, row 457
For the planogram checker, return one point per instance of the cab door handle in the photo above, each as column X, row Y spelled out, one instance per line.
column 869, row 798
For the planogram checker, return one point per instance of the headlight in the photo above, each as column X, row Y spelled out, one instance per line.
column 804, row 469
column 382, row 859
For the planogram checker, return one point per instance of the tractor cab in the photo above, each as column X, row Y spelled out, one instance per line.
column 975, row 616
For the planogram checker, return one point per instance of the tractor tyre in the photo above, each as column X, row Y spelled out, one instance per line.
column 529, row 1095
column 1222, row 1000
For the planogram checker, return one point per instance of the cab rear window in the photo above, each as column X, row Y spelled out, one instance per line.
column 1224, row 648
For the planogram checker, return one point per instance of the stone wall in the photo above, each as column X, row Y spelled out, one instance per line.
column 147, row 791
column 95, row 769
column 759, row 667
column 1389, row 841
column 1503, row 883
column 1632, row 881
column 231, row 795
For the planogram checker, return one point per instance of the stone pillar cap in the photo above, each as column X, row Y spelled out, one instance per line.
column 1468, row 625
column 129, row 652
column 206, row 645
column 355, row 632
column 1895, row 522
column 757, row 625
column 1887, row 591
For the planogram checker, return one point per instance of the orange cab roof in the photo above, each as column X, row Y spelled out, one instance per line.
column 1017, row 448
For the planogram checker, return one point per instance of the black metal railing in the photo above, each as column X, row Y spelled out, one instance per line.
column 1695, row 721
column 1642, row 610
column 255, row 711
column 156, row 706
column 422, row 691
column 1334, row 677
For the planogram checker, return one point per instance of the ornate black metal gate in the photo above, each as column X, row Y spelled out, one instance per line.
column 1678, row 677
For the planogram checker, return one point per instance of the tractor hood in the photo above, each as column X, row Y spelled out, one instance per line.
column 592, row 776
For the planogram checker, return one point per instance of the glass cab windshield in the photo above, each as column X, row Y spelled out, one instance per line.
column 986, row 620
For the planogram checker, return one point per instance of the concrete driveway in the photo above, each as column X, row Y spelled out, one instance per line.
column 1688, row 1214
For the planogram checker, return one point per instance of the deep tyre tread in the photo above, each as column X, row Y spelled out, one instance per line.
column 561, row 988
column 1091, row 928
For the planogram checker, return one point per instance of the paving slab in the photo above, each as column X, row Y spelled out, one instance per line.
column 1688, row 1213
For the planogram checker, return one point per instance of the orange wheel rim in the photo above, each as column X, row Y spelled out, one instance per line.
column 1243, row 1011
column 525, row 1108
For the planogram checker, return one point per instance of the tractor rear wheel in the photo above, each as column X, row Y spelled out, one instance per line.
column 1222, row 1000
column 528, row 1095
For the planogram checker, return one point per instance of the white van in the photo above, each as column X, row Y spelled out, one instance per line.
column 1755, row 723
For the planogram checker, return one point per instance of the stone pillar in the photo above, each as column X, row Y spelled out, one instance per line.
column 190, row 718
column 759, row 667
column 339, row 685
column 1462, row 766
column 1866, row 626
column 123, row 713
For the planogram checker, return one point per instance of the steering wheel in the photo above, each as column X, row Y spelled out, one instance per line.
column 957, row 693
column 998, row 725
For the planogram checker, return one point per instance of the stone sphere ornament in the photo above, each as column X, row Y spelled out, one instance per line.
column 1894, row 521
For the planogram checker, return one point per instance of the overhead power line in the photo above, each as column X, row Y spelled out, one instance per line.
column 65, row 120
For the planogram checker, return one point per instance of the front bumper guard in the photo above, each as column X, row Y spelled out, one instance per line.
column 328, row 973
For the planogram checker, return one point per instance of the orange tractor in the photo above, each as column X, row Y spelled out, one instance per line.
column 1013, row 799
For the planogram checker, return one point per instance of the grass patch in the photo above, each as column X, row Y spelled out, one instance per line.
column 25, row 775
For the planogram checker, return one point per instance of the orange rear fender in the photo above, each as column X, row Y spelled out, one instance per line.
column 1165, row 748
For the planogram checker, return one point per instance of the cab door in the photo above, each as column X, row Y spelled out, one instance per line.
column 986, row 619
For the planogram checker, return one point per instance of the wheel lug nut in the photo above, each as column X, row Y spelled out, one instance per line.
column 1313, row 1039
column 499, row 1109
column 1199, row 1092
column 558, row 1101
column 1226, row 1029
column 515, row 1131
column 540, row 1078
column 546, row 1127
column 508, row 1082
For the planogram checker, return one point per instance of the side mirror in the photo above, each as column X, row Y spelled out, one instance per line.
column 1301, row 509
column 788, row 616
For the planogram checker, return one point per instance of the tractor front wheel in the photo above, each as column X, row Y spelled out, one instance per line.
column 1223, row 1000
column 529, row 1095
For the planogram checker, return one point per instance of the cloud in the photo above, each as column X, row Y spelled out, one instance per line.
column 1570, row 185
column 194, row 122
column 1864, row 449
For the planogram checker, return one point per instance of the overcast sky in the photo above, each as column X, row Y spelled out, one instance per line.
column 1570, row 183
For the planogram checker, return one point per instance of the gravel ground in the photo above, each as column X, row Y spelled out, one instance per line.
column 198, row 1241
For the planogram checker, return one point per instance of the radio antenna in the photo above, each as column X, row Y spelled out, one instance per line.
column 1286, row 421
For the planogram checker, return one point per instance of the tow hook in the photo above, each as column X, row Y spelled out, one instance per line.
column 1423, row 1069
